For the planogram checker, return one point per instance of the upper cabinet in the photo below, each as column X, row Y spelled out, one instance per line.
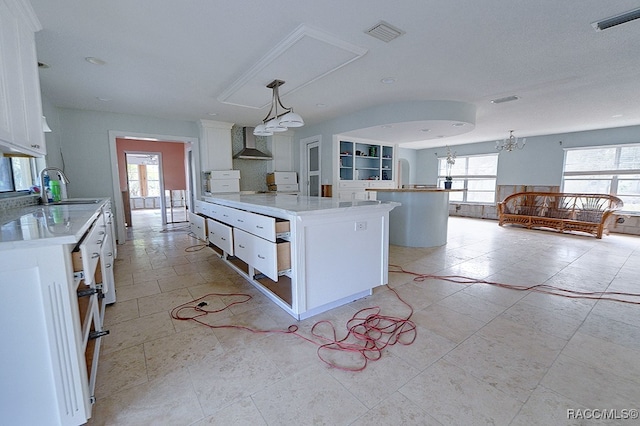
column 215, row 145
column 20, row 101
column 365, row 161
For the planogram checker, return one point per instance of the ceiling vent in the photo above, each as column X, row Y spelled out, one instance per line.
column 384, row 31
column 505, row 99
column 616, row 20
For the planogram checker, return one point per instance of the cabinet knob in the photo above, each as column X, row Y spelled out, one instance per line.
column 94, row 255
column 35, row 146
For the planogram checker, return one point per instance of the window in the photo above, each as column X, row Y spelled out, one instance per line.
column 144, row 180
column 477, row 174
column 16, row 174
column 611, row 170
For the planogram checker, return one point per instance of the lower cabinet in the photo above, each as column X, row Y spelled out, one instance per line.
column 198, row 226
column 51, row 311
column 267, row 257
column 220, row 235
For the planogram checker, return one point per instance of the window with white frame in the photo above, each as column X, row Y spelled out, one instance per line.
column 476, row 174
column 16, row 174
column 611, row 170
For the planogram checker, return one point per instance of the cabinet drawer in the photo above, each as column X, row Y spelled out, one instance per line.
column 197, row 226
column 224, row 174
column 282, row 178
column 223, row 214
column 266, row 227
column 224, row 185
column 90, row 249
column 353, row 184
column 265, row 256
column 220, row 235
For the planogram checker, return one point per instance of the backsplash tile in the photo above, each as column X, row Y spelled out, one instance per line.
column 253, row 173
column 16, row 202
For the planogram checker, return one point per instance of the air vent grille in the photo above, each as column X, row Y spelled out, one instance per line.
column 616, row 20
column 384, row 31
column 505, row 99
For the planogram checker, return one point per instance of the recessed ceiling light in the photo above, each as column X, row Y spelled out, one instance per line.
column 505, row 99
column 458, row 124
column 212, row 114
column 321, row 105
column 102, row 99
column 388, row 80
column 616, row 116
column 94, row 61
column 425, row 130
column 386, row 126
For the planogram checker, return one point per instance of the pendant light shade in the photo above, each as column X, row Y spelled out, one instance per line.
column 291, row 119
column 261, row 130
column 273, row 125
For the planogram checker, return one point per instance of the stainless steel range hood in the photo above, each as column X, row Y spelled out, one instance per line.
column 249, row 151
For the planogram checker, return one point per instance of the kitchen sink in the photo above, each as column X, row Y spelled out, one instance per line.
column 76, row 201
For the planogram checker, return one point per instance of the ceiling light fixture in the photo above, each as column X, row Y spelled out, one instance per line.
column 505, row 99
column 94, row 61
column 277, row 122
column 510, row 143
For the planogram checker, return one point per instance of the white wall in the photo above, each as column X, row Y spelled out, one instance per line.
column 540, row 163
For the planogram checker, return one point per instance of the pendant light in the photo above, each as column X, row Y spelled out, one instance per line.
column 276, row 122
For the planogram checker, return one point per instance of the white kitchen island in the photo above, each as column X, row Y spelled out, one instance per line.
column 307, row 254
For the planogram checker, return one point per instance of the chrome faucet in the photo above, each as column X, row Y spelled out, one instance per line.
column 43, row 190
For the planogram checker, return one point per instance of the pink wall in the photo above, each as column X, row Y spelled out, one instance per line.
column 172, row 160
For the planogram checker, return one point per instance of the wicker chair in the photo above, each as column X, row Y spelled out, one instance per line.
column 563, row 212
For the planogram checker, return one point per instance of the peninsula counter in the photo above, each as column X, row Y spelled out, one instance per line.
column 307, row 254
column 422, row 218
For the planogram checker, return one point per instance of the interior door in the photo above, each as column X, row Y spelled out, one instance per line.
column 313, row 169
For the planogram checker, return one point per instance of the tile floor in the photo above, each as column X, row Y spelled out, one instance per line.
column 483, row 354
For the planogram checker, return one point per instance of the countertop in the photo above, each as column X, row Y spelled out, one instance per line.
column 296, row 205
column 414, row 190
column 38, row 225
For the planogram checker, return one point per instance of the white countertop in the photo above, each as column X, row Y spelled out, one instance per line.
column 38, row 225
column 296, row 205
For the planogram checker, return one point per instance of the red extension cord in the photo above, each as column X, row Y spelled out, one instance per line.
column 369, row 332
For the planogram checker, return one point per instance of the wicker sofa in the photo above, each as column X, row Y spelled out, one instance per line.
column 564, row 212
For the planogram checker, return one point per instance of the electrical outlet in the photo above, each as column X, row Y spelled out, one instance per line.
column 361, row 226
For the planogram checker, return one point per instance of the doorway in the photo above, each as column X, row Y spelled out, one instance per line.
column 145, row 184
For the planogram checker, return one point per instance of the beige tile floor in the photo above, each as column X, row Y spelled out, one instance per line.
column 483, row 354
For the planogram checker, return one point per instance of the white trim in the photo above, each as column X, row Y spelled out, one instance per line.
column 115, row 174
column 304, row 167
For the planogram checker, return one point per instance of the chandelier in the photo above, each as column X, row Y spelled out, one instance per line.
column 277, row 121
column 510, row 143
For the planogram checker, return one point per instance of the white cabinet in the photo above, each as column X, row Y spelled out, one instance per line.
column 198, row 226
column 267, row 257
column 215, row 145
column 221, row 181
column 51, row 330
column 20, row 101
column 361, row 166
column 220, row 235
column 282, row 181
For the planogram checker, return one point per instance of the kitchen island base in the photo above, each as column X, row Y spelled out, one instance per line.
column 337, row 251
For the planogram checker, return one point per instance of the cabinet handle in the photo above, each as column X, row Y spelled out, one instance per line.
column 35, row 146
column 259, row 227
column 108, row 265
column 99, row 242
column 240, row 220
column 223, row 238
column 241, row 246
column 95, row 255
column 261, row 257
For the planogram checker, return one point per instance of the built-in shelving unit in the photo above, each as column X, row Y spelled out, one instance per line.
column 363, row 166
